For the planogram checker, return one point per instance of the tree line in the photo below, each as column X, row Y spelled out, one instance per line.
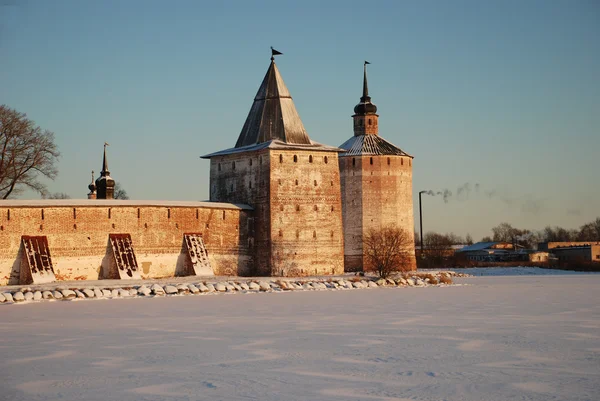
column 505, row 232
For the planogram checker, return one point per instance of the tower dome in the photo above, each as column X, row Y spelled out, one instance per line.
column 92, row 188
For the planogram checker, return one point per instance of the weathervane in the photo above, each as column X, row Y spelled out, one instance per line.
column 274, row 53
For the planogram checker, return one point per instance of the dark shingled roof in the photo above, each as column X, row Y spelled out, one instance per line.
column 273, row 115
column 370, row 145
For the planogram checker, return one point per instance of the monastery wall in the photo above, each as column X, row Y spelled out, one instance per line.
column 306, row 213
column 77, row 232
column 297, row 207
column 244, row 178
column 380, row 197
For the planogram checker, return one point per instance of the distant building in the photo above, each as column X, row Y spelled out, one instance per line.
column 105, row 185
column 540, row 256
column 547, row 246
column 589, row 252
column 493, row 252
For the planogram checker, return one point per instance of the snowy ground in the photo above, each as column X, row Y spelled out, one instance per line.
column 494, row 338
column 513, row 271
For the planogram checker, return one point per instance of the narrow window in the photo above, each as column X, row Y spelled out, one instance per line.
column 296, row 182
column 332, row 208
column 325, row 159
column 297, row 208
column 353, row 161
column 297, row 233
column 369, row 121
column 207, row 226
column 197, row 214
column 332, row 183
column 316, row 208
column 310, row 159
column 8, row 214
column 74, row 213
column 280, row 181
column 250, row 184
column 109, row 213
column 371, row 161
column 281, row 233
column 168, row 213
column 42, row 214
column 295, row 159
column 250, row 161
column 388, row 161
column 402, row 162
column 281, row 207
column 74, row 226
column 233, row 165
column 315, row 183
column 223, row 214
column 280, row 158
column 219, row 167
column 314, row 234
column 331, row 234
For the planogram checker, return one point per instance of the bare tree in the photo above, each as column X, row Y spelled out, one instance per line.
column 120, row 192
column 57, row 195
column 388, row 250
column 26, row 152
column 590, row 231
column 469, row 239
column 559, row 234
column 438, row 246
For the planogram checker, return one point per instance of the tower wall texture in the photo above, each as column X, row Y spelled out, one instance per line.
column 306, row 213
column 297, row 207
column 78, row 236
column 376, row 193
column 244, row 178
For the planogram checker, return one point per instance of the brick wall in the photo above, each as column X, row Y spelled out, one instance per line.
column 306, row 213
column 376, row 192
column 297, row 203
column 78, row 231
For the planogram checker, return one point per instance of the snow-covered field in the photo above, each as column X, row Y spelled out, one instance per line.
column 514, row 271
column 493, row 338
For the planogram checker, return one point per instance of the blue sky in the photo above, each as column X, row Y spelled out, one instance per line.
column 502, row 94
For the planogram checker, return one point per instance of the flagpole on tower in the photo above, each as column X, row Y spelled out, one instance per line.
column 274, row 53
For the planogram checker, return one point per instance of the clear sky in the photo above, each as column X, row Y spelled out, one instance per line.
column 502, row 94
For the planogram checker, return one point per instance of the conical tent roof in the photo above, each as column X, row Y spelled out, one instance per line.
column 273, row 115
column 370, row 145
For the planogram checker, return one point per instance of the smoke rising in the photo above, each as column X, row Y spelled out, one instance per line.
column 526, row 203
column 446, row 194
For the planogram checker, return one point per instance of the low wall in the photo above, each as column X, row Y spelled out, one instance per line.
column 77, row 232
